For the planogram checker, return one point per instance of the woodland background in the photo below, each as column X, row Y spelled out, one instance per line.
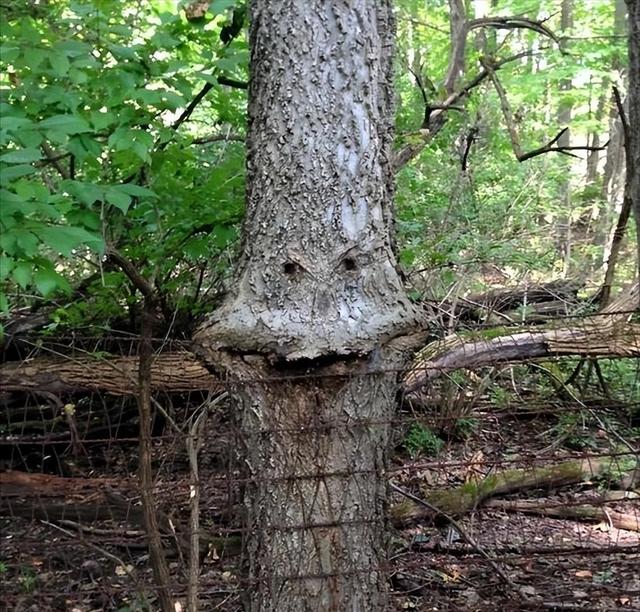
column 122, row 172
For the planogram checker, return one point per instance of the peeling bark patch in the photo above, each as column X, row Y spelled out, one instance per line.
column 315, row 453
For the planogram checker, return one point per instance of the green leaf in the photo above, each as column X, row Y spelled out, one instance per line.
column 196, row 247
column 102, row 120
column 73, row 48
column 88, row 193
column 15, row 123
column 135, row 190
column 64, row 239
column 209, row 78
column 11, row 173
column 223, row 236
column 118, row 199
column 29, row 138
column 6, row 265
column 83, row 147
column 32, row 190
column 85, row 218
column 46, row 280
column 138, row 141
column 9, row 54
column 33, row 57
column 67, row 124
column 27, row 241
column 217, row 7
column 22, row 273
column 59, row 63
column 21, row 156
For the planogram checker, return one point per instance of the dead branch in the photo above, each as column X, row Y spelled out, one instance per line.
column 437, row 116
column 131, row 271
column 596, row 337
column 514, row 23
column 513, row 131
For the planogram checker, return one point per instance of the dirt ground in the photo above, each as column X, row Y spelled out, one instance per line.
column 514, row 561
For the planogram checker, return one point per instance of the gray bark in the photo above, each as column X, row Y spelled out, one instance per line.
column 316, row 498
column 593, row 157
column 457, row 27
column 614, row 168
column 317, row 274
column 315, row 295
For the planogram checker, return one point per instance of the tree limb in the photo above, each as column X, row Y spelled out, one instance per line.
column 513, row 132
column 437, row 117
column 138, row 281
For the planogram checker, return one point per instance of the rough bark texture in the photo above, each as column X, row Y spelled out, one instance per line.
column 316, row 498
column 316, row 295
column 317, row 275
column 457, row 27
column 170, row 372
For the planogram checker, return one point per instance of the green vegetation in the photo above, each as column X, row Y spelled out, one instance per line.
column 421, row 440
column 123, row 127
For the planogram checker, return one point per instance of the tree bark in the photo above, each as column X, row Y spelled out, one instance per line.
column 458, row 30
column 315, row 300
column 614, row 167
column 170, row 372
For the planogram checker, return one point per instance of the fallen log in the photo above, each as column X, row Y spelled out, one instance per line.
column 595, row 337
column 182, row 372
column 170, row 372
column 609, row 334
column 457, row 501
column 582, row 512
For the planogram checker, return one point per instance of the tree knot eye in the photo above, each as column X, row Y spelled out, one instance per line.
column 290, row 268
column 349, row 264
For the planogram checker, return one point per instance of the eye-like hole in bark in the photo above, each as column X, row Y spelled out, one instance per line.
column 290, row 268
column 349, row 264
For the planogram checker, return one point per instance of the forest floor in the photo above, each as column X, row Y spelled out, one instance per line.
column 514, row 562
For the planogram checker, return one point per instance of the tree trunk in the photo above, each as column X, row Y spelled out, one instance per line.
column 316, row 498
column 316, row 295
column 632, row 186
column 457, row 27
column 593, row 157
column 614, row 167
column 565, row 228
